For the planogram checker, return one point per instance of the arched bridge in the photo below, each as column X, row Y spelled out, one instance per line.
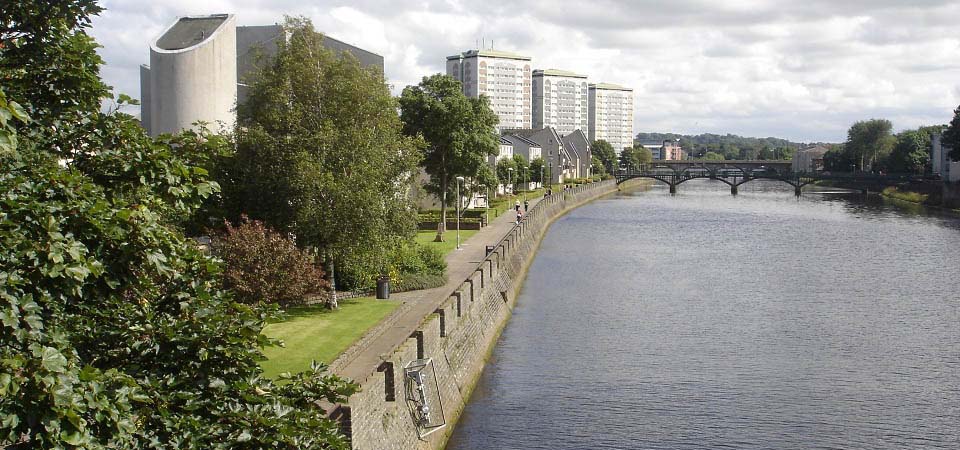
column 735, row 173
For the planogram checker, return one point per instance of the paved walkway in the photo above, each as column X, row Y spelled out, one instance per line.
column 419, row 304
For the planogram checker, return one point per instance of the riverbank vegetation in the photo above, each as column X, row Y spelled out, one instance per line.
column 907, row 196
column 116, row 331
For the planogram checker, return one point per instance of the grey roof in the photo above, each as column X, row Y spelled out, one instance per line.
column 190, row 31
column 366, row 58
column 505, row 141
column 578, row 142
column 521, row 139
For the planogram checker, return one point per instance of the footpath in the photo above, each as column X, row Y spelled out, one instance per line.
column 358, row 360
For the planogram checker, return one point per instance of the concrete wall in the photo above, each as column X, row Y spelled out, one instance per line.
column 458, row 337
column 194, row 83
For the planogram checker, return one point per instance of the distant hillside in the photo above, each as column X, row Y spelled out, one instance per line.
column 730, row 146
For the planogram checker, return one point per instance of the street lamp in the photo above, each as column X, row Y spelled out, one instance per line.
column 510, row 180
column 459, row 180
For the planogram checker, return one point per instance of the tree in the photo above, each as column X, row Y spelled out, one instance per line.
column 321, row 153
column 604, row 151
column 523, row 170
column 643, row 154
column 115, row 332
column 713, row 156
column 597, row 167
column 951, row 136
column 869, row 142
column 837, row 159
column 630, row 158
column 536, row 169
column 507, row 172
column 911, row 153
column 459, row 133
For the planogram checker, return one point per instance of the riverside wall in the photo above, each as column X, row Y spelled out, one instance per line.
column 458, row 337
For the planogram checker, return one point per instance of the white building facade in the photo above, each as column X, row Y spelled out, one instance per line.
column 503, row 77
column 948, row 169
column 560, row 100
column 200, row 67
column 611, row 115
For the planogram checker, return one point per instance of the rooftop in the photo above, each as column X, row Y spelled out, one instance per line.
column 610, row 87
column 557, row 73
column 190, row 31
column 489, row 54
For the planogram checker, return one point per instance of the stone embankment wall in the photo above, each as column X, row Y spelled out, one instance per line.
column 458, row 337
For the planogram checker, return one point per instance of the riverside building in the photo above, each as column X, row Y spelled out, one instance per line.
column 200, row 66
column 560, row 100
column 503, row 77
column 611, row 115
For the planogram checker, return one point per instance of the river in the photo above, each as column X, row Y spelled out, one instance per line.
column 709, row 321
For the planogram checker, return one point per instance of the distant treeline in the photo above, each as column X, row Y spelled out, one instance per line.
column 729, row 146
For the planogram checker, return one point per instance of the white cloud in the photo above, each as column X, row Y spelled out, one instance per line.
column 798, row 69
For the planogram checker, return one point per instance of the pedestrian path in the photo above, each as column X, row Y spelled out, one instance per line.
column 361, row 359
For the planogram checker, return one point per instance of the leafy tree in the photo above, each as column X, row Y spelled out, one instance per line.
column 604, row 151
column 507, row 171
column 321, row 153
column 596, row 166
column 536, row 169
column 837, row 159
column 951, row 136
column 869, row 142
column 713, row 156
column 630, row 158
column 643, row 154
column 486, row 179
column 458, row 130
column 911, row 154
column 523, row 169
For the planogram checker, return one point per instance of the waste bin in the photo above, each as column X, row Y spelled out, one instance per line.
column 383, row 287
column 490, row 249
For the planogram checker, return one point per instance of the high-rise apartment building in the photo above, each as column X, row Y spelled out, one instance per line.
column 611, row 115
column 560, row 100
column 505, row 78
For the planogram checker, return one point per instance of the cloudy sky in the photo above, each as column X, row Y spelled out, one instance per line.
column 803, row 70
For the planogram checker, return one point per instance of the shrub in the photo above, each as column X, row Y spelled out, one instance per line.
column 263, row 266
column 418, row 281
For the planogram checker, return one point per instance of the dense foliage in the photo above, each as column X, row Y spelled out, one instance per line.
column 730, row 146
column 869, row 142
column 114, row 331
column 603, row 151
column 951, row 135
column 320, row 153
column 536, row 169
column 264, row 266
column 458, row 130
column 634, row 157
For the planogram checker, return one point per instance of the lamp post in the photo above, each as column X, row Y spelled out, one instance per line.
column 541, row 172
column 486, row 213
column 510, row 180
column 459, row 180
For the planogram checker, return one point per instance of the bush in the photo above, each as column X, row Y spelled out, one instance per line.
column 263, row 266
column 418, row 281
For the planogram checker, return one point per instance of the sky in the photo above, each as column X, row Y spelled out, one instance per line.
column 801, row 70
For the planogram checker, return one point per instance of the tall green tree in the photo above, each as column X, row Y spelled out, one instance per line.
column 604, row 151
column 523, row 169
column 321, row 153
column 597, row 167
column 643, row 154
column 869, row 142
column 911, row 154
column 951, row 136
column 536, row 170
column 458, row 130
column 507, row 171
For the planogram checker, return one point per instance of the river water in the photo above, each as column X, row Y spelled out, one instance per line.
column 708, row 321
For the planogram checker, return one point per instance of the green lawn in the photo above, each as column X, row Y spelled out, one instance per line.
column 316, row 333
column 450, row 239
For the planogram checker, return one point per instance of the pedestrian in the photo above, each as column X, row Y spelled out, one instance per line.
column 518, row 206
column 519, row 216
column 526, row 205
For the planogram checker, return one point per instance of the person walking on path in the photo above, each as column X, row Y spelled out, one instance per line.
column 519, row 215
column 518, row 206
column 526, row 205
